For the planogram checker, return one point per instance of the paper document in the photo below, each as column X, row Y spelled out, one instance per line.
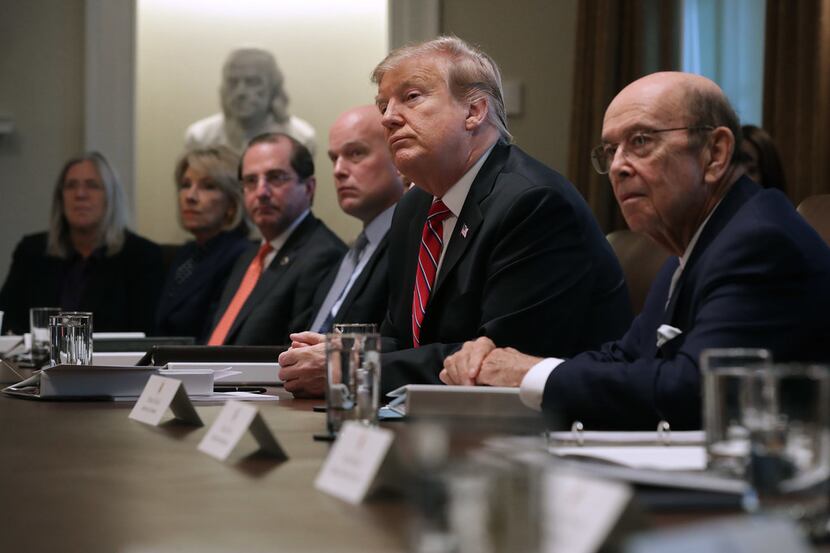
column 659, row 457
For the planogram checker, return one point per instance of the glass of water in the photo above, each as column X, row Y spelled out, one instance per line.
column 71, row 338
column 731, row 405
column 353, row 379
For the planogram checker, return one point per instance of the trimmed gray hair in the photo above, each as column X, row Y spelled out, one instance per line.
column 268, row 65
column 114, row 223
column 219, row 164
column 472, row 74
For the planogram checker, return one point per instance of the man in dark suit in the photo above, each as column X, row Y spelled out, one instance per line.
column 489, row 242
column 355, row 291
column 748, row 271
column 270, row 289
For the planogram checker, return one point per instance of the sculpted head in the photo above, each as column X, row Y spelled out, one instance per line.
column 670, row 147
column 365, row 178
column 442, row 107
column 253, row 87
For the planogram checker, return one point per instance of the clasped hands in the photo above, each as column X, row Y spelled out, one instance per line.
column 480, row 362
column 303, row 365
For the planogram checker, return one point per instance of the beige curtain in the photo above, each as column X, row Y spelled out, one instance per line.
column 797, row 92
column 617, row 41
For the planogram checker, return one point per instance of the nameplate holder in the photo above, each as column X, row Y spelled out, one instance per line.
column 585, row 511
column 235, row 418
column 159, row 395
column 353, row 466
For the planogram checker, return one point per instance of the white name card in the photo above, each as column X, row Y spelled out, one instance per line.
column 583, row 511
column 354, row 461
column 234, row 419
column 159, row 394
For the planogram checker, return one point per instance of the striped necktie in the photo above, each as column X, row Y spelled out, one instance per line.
column 220, row 333
column 432, row 241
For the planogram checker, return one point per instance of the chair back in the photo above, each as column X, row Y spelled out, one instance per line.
column 816, row 211
column 641, row 259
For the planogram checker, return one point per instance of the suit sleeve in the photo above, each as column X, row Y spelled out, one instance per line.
column 538, row 278
column 737, row 303
column 317, row 266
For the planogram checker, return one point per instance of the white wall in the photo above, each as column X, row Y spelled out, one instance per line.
column 325, row 48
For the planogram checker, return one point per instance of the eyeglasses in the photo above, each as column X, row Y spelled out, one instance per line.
column 273, row 179
column 639, row 144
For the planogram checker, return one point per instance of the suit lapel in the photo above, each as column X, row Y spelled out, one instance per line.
column 471, row 217
column 363, row 277
column 736, row 197
column 271, row 275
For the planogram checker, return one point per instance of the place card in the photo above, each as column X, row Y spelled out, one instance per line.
column 234, row 419
column 159, row 394
column 354, row 462
column 583, row 510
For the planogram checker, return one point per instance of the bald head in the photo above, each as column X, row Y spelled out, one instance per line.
column 670, row 147
column 365, row 178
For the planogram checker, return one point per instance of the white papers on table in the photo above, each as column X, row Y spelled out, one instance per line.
column 659, row 457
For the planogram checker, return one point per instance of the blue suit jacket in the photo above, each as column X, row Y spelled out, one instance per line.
column 759, row 276
column 188, row 309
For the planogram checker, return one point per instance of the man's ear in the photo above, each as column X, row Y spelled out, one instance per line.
column 476, row 113
column 720, row 146
column 311, row 186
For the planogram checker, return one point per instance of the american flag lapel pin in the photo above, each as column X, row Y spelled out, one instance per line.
column 464, row 230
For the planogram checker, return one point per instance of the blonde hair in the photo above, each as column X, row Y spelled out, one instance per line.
column 472, row 74
column 219, row 164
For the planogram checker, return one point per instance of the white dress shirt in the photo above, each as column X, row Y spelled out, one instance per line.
column 280, row 240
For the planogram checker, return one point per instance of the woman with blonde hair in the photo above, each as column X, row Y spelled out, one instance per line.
column 211, row 209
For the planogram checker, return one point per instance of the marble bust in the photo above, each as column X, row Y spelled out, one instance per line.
column 253, row 102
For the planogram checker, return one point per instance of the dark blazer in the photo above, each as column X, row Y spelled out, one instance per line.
column 367, row 298
column 527, row 266
column 188, row 309
column 759, row 276
column 122, row 290
column 281, row 301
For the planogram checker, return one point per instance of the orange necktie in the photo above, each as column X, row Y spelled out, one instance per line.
column 217, row 338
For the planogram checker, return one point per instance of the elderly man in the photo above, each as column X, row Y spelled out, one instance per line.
column 489, row 242
column 368, row 187
column 253, row 102
column 748, row 270
column 270, row 289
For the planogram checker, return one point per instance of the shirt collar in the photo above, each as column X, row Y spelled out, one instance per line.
column 278, row 242
column 454, row 197
column 377, row 227
column 693, row 242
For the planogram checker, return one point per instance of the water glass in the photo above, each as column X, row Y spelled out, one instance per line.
column 39, row 327
column 789, row 460
column 731, row 405
column 71, row 338
column 353, row 379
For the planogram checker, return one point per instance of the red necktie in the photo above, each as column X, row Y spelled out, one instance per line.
column 432, row 240
column 217, row 338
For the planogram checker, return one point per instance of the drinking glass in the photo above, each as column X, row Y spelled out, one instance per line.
column 353, row 379
column 71, row 338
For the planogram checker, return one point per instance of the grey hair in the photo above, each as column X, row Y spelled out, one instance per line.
column 711, row 108
column 219, row 164
column 114, row 223
column 268, row 65
column 471, row 74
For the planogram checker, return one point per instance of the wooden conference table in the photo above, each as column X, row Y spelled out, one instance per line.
column 81, row 476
